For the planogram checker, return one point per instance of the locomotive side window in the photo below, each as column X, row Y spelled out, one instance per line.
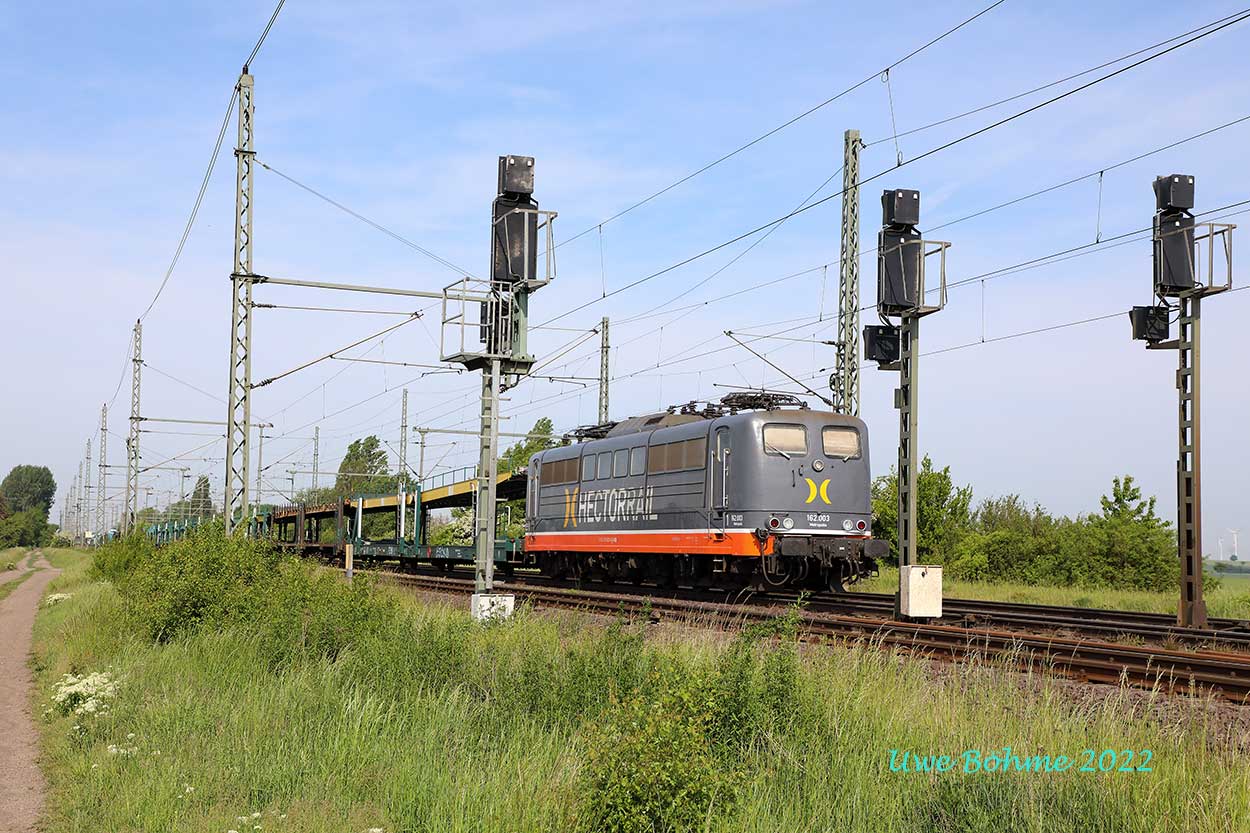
column 588, row 468
column 695, row 453
column 638, row 460
column 840, row 442
column 560, row 471
column 679, row 456
column 658, row 459
column 605, row 465
column 785, row 440
column 620, row 463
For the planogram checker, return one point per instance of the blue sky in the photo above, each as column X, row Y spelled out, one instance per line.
column 399, row 110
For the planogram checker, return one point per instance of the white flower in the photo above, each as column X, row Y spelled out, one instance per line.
column 232, row 831
column 187, row 789
column 375, row 830
column 130, row 736
column 255, row 815
column 84, row 695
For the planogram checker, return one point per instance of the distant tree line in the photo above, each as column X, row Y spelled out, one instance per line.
column 1125, row 544
column 26, row 495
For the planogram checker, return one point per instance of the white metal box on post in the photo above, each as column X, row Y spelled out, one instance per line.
column 921, row 591
column 487, row 606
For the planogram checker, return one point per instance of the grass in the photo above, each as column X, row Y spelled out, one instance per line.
column 435, row 724
column 1231, row 599
column 12, row 584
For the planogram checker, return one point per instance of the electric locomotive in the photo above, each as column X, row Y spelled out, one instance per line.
column 757, row 491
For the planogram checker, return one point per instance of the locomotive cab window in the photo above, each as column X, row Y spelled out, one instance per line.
column 588, row 468
column 840, row 442
column 785, row 440
column 620, row 463
column 605, row 465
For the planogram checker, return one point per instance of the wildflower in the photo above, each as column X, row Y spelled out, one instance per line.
column 187, row 789
column 255, row 815
column 130, row 736
column 232, row 831
column 85, row 695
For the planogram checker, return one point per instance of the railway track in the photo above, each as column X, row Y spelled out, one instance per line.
column 1224, row 634
column 1173, row 671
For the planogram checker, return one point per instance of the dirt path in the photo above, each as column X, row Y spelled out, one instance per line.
column 21, row 782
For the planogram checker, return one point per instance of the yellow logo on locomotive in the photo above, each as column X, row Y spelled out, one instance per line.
column 570, row 507
column 822, row 490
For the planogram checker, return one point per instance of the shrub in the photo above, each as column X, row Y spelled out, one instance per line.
column 211, row 580
column 311, row 613
column 115, row 560
column 649, row 767
column 208, row 578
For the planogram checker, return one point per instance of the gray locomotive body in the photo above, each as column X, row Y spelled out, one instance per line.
column 768, row 498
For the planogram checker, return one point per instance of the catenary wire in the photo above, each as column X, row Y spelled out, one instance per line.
column 942, row 147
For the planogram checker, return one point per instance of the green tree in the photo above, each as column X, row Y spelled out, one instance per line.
column 942, row 510
column 200, row 504
column 29, row 487
column 25, row 529
column 515, row 458
column 1131, row 545
column 540, row 438
column 363, row 469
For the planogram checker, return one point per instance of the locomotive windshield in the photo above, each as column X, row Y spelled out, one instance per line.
column 840, row 442
column 786, row 440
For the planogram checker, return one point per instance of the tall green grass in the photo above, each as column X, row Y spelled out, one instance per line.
column 415, row 719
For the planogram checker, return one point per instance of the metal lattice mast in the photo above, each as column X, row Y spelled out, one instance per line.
column 403, row 438
column 239, row 417
column 87, row 514
column 100, row 493
column 260, row 465
column 421, row 460
column 603, row 371
column 403, row 468
column 132, row 439
column 846, row 372
column 76, row 491
column 316, row 455
column 1192, row 611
